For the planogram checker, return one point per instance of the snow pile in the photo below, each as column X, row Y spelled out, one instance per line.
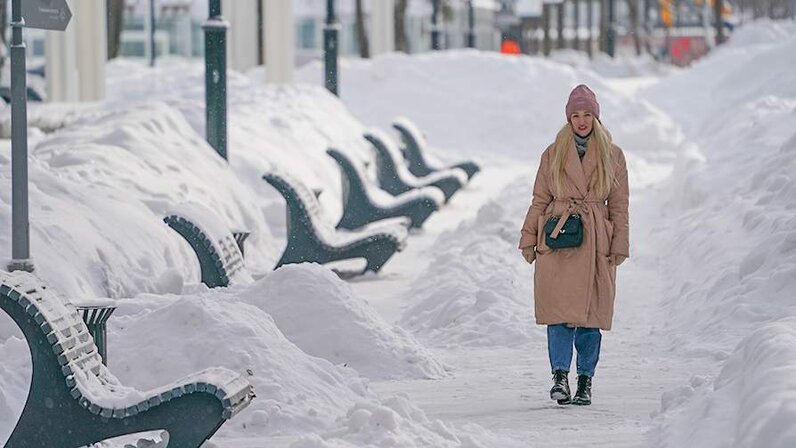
column 732, row 271
column 318, row 312
column 751, row 403
column 477, row 288
column 295, row 392
column 286, row 126
column 761, row 31
column 733, row 183
column 100, row 189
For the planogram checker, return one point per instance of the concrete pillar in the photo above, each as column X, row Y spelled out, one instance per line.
column 242, row 33
column 61, row 65
column 89, row 20
column 382, row 26
column 279, row 38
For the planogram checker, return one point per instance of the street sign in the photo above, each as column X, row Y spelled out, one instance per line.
column 46, row 14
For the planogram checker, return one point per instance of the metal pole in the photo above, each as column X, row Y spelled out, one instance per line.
column 330, row 47
column 470, row 24
column 20, row 231
column 611, row 29
column 718, row 6
column 590, row 26
column 215, row 29
column 435, row 42
column 576, row 43
column 152, row 47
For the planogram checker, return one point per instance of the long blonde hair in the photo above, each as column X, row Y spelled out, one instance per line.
column 600, row 141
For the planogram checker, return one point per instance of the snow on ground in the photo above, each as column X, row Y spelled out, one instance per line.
column 439, row 349
column 730, row 211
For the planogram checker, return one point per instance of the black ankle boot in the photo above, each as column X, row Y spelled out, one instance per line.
column 560, row 391
column 583, row 394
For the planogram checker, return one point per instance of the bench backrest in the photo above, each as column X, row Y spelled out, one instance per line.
column 301, row 200
column 390, row 155
column 220, row 258
column 414, row 141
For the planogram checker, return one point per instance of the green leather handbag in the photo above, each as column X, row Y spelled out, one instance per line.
column 571, row 234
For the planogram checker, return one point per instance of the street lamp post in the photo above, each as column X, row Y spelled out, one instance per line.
column 470, row 24
column 330, row 48
column 435, row 43
column 215, row 29
column 20, row 230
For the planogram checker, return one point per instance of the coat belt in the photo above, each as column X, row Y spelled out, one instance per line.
column 574, row 205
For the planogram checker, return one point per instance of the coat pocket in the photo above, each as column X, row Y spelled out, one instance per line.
column 605, row 237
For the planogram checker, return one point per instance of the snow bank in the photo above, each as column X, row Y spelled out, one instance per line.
column 100, row 189
column 702, row 98
column 732, row 272
column 295, row 392
column 289, row 126
column 318, row 312
column 752, row 403
column 477, row 289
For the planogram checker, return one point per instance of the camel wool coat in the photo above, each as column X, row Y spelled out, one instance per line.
column 576, row 286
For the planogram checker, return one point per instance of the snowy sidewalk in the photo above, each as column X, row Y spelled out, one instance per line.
column 505, row 389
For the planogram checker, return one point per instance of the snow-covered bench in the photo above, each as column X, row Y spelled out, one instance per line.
column 415, row 148
column 312, row 238
column 74, row 400
column 216, row 247
column 395, row 178
column 362, row 203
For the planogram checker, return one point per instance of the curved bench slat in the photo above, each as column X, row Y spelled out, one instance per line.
column 77, row 398
column 415, row 148
column 220, row 258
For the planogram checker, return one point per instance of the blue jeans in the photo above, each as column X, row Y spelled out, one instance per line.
column 560, row 339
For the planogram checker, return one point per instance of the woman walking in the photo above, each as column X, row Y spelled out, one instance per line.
column 576, row 230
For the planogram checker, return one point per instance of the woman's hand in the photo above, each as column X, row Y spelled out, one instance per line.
column 529, row 254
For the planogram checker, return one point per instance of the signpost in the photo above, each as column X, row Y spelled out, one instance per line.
column 43, row 14
column 46, row 14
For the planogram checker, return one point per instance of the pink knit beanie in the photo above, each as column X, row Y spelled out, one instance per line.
column 582, row 98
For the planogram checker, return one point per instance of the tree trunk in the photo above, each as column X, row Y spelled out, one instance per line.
column 362, row 32
column 635, row 28
column 115, row 24
column 401, row 42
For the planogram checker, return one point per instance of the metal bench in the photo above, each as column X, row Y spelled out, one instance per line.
column 415, row 147
column 216, row 247
column 362, row 205
column 311, row 237
column 395, row 178
column 75, row 401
